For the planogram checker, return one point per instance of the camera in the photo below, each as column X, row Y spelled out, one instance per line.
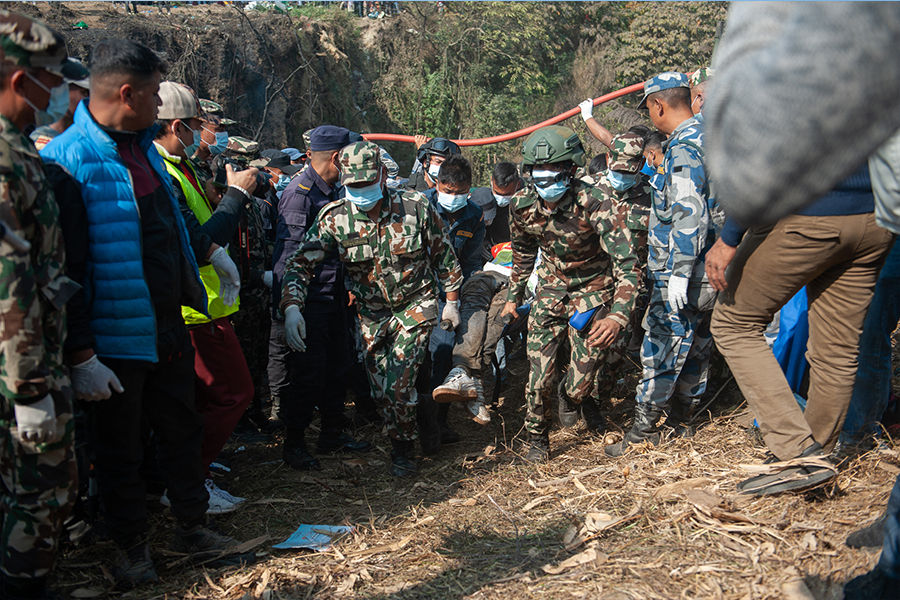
column 263, row 182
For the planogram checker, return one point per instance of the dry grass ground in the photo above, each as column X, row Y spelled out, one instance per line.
column 662, row 523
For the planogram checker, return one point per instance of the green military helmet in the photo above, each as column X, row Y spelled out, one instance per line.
column 553, row 144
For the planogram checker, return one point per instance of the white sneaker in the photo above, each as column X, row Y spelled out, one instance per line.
column 480, row 413
column 457, row 387
column 214, row 489
column 217, row 504
column 220, row 501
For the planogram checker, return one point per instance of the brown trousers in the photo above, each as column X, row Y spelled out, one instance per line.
column 838, row 259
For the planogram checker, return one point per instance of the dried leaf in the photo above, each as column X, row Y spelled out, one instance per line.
column 218, row 590
column 537, row 501
column 671, row 491
column 379, row 549
column 580, row 485
column 589, row 556
column 889, row 468
column 703, row 498
column 461, row 502
column 348, row 584
column 809, row 541
column 795, row 588
column 357, row 462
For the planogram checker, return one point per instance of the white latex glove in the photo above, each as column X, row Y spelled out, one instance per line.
column 295, row 328
column 37, row 422
column 587, row 109
column 229, row 278
column 92, row 380
column 451, row 313
column 678, row 288
column 267, row 279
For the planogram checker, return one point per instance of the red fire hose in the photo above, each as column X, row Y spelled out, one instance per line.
column 392, row 137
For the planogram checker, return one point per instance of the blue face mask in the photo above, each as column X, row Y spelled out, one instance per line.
column 502, row 200
column 553, row 191
column 452, row 202
column 648, row 170
column 621, row 181
column 56, row 108
column 364, row 198
column 283, row 181
column 190, row 150
column 221, row 142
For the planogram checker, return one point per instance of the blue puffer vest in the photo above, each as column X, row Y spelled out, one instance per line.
column 121, row 311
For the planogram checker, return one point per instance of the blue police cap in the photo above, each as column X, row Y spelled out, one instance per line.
column 663, row 81
column 328, row 137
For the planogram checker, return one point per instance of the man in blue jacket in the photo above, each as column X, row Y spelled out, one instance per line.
column 132, row 250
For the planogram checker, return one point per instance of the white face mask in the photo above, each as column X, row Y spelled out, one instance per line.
column 452, row 202
column 56, row 108
column 502, row 200
column 433, row 171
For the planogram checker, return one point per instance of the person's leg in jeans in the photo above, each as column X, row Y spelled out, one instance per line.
column 872, row 389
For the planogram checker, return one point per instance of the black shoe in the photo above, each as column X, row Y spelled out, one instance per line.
column 568, row 410
column 538, row 448
column 262, row 422
column 871, row 536
column 643, row 430
column 297, row 457
column 246, row 432
column 448, row 436
column 791, row 479
column 403, row 461
column 133, row 565
column 201, row 542
column 594, row 421
column 874, row 585
column 342, row 442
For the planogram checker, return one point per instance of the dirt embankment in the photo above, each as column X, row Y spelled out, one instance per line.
column 277, row 75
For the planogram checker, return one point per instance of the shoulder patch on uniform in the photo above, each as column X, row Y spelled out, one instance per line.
column 467, row 234
column 354, row 242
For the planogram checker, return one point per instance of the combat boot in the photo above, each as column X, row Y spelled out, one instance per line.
column 335, row 441
column 593, row 420
column 133, row 564
column 403, row 459
column 678, row 417
column 429, row 428
column 297, row 456
column 538, row 447
column 643, row 430
column 568, row 410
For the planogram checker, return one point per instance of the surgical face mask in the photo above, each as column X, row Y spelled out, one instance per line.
column 550, row 185
column 56, row 108
column 192, row 148
column 283, row 181
column 621, row 181
column 433, row 171
column 452, row 202
column 502, row 200
column 364, row 198
column 648, row 170
column 221, row 142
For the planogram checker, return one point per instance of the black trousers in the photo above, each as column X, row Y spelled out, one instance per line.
column 164, row 394
column 319, row 377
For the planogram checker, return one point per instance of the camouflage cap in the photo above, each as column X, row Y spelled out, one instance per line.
column 663, row 81
column 625, row 154
column 242, row 149
column 307, row 136
column 216, row 113
column 701, row 75
column 29, row 43
column 360, row 162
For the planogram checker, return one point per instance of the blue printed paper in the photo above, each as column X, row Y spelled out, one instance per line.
column 313, row 537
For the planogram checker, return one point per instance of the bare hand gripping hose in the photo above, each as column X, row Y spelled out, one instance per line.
column 392, row 137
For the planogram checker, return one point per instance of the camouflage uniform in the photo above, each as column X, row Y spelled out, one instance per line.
column 393, row 267
column 39, row 481
column 241, row 149
column 588, row 262
column 684, row 222
column 634, row 210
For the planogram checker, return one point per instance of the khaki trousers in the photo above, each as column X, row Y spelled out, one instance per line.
column 838, row 259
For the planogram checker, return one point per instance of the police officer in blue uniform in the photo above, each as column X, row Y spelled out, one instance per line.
column 318, row 376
